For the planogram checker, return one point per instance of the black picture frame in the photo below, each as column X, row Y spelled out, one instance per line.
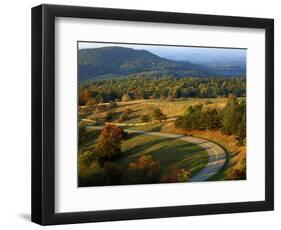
column 43, row 114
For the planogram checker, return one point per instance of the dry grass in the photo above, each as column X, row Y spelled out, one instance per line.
column 171, row 109
column 236, row 153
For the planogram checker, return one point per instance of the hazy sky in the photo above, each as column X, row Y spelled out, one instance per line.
column 195, row 54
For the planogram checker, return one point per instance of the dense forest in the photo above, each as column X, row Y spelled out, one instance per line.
column 154, row 88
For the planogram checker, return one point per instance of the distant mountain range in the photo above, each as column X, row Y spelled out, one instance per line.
column 118, row 62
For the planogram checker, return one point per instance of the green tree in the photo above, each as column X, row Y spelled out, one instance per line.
column 108, row 116
column 86, row 158
column 145, row 118
column 234, row 119
column 158, row 115
column 231, row 116
column 92, row 175
column 241, row 131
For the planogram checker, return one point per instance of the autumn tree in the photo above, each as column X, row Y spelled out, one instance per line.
column 109, row 143
column 84, row 96
column 126, row 97
column 176, row 175
column 144, row 170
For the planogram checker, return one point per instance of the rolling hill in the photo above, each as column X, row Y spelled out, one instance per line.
column 119, row 62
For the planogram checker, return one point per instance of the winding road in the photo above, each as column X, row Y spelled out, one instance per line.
column 217, row 155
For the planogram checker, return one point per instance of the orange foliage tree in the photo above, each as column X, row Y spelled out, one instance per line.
column 109, row 143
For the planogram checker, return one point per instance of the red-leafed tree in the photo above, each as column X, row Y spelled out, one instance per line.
column 109, row 143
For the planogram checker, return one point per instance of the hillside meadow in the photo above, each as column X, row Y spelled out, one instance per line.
column 169, row 153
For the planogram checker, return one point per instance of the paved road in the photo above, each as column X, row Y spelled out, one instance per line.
column 217, row 155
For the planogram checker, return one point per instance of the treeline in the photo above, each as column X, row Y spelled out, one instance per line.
column 231, row 120
column 152, row 88
column 97, row 166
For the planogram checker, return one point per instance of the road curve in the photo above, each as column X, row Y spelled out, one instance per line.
column 217, row 155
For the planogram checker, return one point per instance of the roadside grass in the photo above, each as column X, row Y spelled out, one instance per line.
column 169, row 152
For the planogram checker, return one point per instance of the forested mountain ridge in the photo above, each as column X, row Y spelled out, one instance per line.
column 118, row 62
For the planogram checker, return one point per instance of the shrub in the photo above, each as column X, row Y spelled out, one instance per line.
column 144, row 170
column 126, row 97
column 126, row 114
column 208, row 102
column 128, row 111
column 109, row 116
column 84, row 136
column 176, row 175
column 145, row 118
column 113, row 104
column 158, row 114
column 123, row 117
column 86, row 158
column 183, row 175
column 91, row 102
column 92, row 175
column 113, row 171
column 170, row 98
column 101, row 108
column 84, row 96
column 171, row 176
column 238, row 172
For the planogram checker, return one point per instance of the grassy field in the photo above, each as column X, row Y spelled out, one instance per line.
column 171, row 109
column 169, row 152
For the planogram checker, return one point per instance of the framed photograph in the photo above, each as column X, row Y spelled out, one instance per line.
column 142, row 114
